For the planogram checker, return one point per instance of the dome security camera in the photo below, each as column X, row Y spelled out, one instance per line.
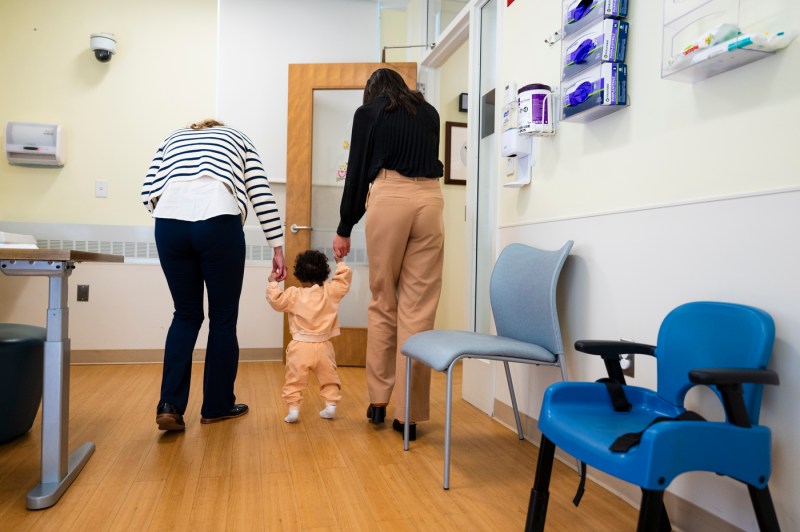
column 103, row 45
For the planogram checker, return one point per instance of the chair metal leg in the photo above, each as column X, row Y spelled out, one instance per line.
column 540, row 493
column 407, row 425
column 513, row 401
column 765, row 511
column 448, row 414
column 651, row 511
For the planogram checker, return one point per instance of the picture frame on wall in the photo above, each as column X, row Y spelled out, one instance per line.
column 455, row 153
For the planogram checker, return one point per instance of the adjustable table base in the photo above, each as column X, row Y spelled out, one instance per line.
column 59, row 469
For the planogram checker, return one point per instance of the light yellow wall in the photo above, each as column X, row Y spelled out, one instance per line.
column 393, row 33
column 415, row 29
column 403, row 27
column 451, row 313
column 162, row 77
column 728, row 135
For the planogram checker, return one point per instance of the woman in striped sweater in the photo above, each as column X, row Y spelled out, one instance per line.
column 197, row 189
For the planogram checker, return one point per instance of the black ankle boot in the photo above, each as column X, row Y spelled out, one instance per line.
column 376, row 414
column 412, row 429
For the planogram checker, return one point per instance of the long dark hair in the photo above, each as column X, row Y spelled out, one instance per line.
column 389, row 83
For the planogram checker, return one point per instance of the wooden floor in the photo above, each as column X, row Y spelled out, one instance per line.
column 260, row 473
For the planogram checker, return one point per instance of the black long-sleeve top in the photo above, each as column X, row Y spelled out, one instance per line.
column 394, row 140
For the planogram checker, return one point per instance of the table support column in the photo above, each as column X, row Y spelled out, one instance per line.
column 55, row 392
column 59, row 467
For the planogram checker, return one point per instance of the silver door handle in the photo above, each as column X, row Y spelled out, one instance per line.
column 295, row 228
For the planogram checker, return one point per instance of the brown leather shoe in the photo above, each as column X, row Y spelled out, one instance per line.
column 168, row 418
column 236, row 411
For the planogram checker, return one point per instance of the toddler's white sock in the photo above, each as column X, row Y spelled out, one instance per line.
column 294, row 413
column 328, row 412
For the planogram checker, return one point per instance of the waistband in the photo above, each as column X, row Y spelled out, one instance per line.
column 383, row 173
column 314, row 338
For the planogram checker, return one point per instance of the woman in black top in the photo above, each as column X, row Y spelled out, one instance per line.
column 392, row 176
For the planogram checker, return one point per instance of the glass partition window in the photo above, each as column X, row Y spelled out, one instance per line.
column 440, row 14
column 333, row 120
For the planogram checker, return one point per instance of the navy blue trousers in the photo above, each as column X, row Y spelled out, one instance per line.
column 208, row 253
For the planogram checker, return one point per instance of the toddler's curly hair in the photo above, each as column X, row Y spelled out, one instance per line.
column 311, row 266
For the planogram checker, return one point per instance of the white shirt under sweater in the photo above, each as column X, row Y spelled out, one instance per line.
column 198, row 199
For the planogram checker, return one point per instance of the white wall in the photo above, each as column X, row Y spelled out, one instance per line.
column 628, row 270
column 130, row 308
column 257, row 42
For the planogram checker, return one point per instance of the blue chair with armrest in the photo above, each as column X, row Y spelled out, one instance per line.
column 648, row 437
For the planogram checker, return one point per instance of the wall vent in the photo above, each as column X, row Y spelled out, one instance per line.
column 142, row 251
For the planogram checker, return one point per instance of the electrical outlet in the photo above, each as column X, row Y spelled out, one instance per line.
column 101, row 188
column 83, row 292
column 510, row 166
column 627, row 361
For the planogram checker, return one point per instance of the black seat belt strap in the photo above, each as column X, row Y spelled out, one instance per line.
column 617, row 395
column 626, row 441
column 581, row 485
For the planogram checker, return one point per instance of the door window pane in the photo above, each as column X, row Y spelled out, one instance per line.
column 333, row 121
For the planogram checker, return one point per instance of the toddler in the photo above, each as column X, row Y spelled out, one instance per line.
column 312, row 309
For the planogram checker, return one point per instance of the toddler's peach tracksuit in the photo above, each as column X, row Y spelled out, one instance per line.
column 313, row 321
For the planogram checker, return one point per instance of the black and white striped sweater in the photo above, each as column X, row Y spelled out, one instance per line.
column 225, row 154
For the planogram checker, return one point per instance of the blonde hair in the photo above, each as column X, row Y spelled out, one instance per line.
column 206, row 124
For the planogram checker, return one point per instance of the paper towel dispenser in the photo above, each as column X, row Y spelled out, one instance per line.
column 29, row 143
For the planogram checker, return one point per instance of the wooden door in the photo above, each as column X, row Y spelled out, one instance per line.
column 304, row 79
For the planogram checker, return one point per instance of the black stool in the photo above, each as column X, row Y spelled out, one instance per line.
column 21, row 368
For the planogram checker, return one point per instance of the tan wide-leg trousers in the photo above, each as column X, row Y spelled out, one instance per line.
column 304, row 357
column 405, row 245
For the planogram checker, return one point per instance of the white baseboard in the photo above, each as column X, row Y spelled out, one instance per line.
column 156, row 356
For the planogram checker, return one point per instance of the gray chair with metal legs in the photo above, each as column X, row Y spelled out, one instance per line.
column 523, row 297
